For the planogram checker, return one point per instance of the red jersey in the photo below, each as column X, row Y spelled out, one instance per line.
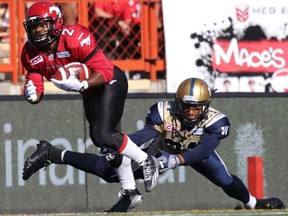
column 118, row 8
column 75, row 44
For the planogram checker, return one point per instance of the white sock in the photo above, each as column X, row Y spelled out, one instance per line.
column 125, row 174
column 131, row 150
column 252, row 202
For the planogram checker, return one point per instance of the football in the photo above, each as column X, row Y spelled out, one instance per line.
column 81, row 71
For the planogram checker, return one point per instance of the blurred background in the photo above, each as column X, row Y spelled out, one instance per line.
column 240, row 47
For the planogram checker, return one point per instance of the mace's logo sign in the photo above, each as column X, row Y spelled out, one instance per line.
column 249, row 56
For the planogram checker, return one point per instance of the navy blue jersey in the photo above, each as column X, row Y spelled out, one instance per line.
column 194, row 144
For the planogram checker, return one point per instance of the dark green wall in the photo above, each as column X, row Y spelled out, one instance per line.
column 259, row 127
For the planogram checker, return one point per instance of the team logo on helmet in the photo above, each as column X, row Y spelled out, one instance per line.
column 189, row 98
column 56, row 9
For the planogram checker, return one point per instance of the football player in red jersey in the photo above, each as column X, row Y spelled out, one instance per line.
column 51, row 45
column 186, row 132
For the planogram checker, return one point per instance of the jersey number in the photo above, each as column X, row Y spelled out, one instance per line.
column 224, row 130
column 66, row 31
column 179, row 146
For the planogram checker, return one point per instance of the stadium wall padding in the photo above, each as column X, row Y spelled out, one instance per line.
column 258, row 128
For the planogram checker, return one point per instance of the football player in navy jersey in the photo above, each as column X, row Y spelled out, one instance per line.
column 186, row 132
column 51, row 45
column 190, row 131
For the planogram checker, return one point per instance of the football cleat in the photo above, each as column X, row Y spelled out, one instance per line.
column 269, row 203
column 151, row 173
column 38, row 160
column 129, row 199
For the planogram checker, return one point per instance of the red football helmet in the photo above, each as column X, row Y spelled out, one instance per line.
column 47, row 15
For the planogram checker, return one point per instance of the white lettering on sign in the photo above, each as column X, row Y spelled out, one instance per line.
column 231, row 56
column 16, row 154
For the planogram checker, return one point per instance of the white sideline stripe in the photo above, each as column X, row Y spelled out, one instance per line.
column 180, row 213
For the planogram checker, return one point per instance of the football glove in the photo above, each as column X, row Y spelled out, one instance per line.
column 71, row 84
column 167, row 161
column 30, row 91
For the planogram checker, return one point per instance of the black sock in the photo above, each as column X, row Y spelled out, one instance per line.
column 55, row 155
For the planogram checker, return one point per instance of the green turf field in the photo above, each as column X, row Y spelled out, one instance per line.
column 180, row 213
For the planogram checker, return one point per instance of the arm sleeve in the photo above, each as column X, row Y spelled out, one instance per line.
column 32, row 74
column 154, row 116
column 142, row 136
column 209, row 141
column 203, row 150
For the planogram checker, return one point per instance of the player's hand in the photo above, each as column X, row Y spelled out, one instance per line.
column 30, row 91
column 71, row 84
column 167, row 161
